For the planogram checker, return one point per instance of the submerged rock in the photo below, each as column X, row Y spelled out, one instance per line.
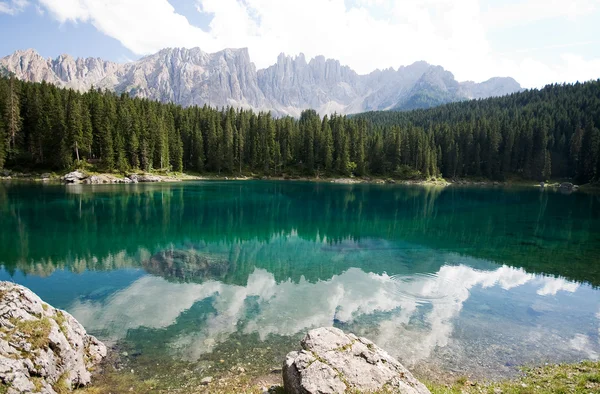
column 334, row 362
column 42, row 349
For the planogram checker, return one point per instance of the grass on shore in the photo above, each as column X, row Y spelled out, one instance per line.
column 581, row 378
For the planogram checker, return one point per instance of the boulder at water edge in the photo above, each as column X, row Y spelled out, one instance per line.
column 42, row 349
column 74, row 177
column 334, row 362
column 148, row 178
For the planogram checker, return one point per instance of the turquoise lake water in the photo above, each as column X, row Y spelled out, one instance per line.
column 211, row 274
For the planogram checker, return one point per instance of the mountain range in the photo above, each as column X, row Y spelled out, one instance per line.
column 229, row 78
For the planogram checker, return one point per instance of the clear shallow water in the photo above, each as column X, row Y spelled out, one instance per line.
column 470, row 280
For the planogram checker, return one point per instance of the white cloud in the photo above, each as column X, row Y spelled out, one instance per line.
column 143, row 26
column 13, row 7
column 365, row 35
column 535, row 73
column 526, row 12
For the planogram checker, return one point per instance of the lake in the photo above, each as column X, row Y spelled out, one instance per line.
column 196, row 278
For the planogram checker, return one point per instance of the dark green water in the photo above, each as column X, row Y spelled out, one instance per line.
column 472, row 280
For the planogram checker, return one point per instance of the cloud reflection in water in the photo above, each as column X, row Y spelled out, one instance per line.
column 415, row 315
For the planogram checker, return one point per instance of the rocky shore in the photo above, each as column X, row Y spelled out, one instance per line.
column 45, row 350
column 42, row 349
column 82, row 177
column 76, row 177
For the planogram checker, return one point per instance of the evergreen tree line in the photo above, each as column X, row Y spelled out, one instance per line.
column 535, row 134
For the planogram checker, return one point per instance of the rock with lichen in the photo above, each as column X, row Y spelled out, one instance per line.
column 334, row 362
column 42, row 349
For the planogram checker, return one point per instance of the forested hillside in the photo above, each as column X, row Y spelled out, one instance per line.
column 534, row 134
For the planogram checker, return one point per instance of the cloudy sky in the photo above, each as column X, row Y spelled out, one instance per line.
column 534, row 41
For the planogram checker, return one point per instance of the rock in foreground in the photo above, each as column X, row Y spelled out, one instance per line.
column 42, row 349
column 334, row 362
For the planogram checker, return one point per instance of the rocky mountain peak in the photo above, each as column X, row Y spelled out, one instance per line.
column 229, row 78
column 438, row 78
column 497, row 86
column 26, row 53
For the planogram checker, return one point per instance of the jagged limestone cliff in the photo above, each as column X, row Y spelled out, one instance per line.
column 229, row 78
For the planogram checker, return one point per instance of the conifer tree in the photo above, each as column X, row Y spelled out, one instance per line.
column 588, row 160
column 74, row 126
column 105, row 134
column 87, row 136
column 308, row 128
column 327, row 153
column 198, row 157
column 240, row 139
column 12, row 117
column 3, row 139
column 360, row 153
column 174, row 143
column 60, row 148
column 227, row 142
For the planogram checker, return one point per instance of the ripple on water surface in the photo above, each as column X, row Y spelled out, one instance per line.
column 426, row 288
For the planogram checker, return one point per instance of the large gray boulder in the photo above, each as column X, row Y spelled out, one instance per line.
column 74, row 177
column 567, row 186
column 334, row 362
column 105, row 179
column 96, row 180
column 42, row 349
column 148, row 178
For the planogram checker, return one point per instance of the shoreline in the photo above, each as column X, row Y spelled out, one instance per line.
column 96, row 178
column 577, row 377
